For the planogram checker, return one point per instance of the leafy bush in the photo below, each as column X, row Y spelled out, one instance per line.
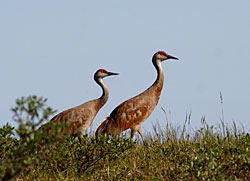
column 50, row 149
column 30, row 113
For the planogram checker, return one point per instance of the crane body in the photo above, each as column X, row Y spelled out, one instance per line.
column 80, row 118
column 133, row 112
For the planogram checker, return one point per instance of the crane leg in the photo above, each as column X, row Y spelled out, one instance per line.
column 135, row 129
column 140, row 132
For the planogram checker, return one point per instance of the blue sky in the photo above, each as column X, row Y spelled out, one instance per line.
column 53, row 48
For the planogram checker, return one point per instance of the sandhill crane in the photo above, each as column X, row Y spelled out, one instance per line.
column 131, row 113
column 80, row 118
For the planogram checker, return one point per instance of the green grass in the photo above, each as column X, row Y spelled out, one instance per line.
column 219, row 152
column 172, row 154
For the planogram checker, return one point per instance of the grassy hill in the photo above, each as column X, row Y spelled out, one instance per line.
column 171, row 153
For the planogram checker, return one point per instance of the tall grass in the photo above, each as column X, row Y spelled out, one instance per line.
column 172, row 153
column 180, row 152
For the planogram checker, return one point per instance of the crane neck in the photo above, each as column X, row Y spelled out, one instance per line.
column 156, row 87
column 105, row 92
column 160, row 74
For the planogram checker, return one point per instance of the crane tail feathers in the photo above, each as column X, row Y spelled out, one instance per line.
column 102, row 128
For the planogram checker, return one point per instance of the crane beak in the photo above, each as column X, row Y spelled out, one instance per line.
column 172, row 57
column 111, row 73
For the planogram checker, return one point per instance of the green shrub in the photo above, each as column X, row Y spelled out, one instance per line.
column 51, row 149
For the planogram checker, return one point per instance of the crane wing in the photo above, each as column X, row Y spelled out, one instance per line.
column 75, row 118
column 133, row 111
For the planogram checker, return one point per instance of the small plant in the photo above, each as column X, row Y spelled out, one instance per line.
column 30, row 113
column 7, row 146
column 16, row 154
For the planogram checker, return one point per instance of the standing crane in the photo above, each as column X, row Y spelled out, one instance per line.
column 133, row 112
column 81, row 117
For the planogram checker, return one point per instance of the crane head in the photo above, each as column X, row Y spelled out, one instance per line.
column 101, row 73
column 163, row 56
